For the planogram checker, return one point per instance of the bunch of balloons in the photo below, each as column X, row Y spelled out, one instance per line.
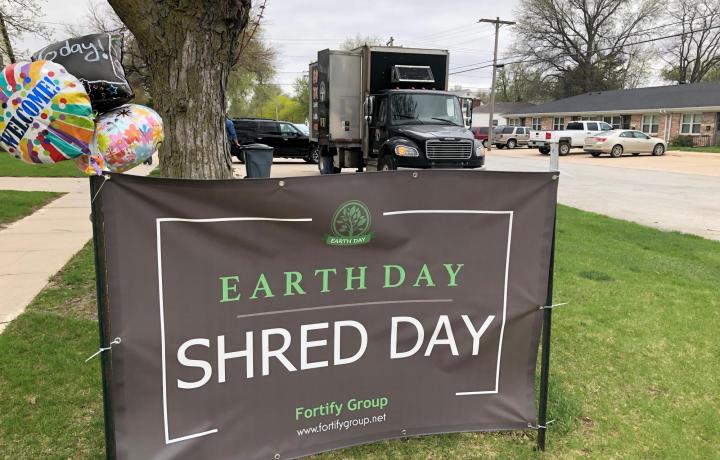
column 71, row 103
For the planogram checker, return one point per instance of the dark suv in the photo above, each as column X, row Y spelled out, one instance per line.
column 286, row 139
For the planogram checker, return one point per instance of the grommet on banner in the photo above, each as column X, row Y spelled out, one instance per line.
column 543, row 307
column 537, row 427
column 555, row 177
column 115, row 341
column 403, row 432
column 105, row 179
column 415, row 174
column 277, row 456
column 281, row 183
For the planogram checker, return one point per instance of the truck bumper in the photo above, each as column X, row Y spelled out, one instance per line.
column 537, row 144
column 422, row 162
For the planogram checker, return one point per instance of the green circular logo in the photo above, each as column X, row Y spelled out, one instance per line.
column 351, row 219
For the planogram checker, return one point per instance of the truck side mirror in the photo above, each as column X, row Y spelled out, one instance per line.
column 368, row 107
column 467, row 106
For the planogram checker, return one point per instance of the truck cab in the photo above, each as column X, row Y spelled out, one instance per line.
column 419, row 129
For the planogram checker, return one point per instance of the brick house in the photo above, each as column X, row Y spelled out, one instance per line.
column 662, row 111
column 481, row 112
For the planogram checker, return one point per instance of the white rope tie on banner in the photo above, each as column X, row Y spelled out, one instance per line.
column 537, row 427
column 543, row 307
column 116, row 341
column 105, row 179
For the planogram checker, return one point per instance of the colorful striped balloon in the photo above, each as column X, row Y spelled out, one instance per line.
column 46, row 114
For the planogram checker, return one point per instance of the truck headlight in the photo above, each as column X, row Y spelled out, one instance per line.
column 479, row 150
column 406, row 151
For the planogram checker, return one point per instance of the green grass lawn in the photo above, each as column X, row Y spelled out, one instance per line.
column 15, row 205
column 635, row 369
column 12, row 167
column 709, row 149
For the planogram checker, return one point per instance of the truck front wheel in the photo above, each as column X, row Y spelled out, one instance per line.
column 387, row 163
column 563, row 148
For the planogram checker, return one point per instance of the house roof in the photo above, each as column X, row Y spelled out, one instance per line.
column 691, row 95
column 505, row 107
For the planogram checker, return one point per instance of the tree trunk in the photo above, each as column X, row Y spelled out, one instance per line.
column 6, row 40
column 190, row 47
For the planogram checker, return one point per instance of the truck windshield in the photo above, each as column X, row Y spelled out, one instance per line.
column 425, row 108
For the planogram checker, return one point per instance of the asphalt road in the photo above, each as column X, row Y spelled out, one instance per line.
column 686, row 202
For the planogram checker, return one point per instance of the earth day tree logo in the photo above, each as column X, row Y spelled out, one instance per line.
column 350, row 225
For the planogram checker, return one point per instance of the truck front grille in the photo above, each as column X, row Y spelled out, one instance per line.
column 448, row 150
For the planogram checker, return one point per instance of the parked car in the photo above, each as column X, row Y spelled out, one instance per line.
column 622, row 141
column 286, row 140
column 481, row 134
column 510, row 136
column 573, row 136
column 305, row 129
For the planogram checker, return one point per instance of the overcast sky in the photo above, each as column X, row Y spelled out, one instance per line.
column 297, row 29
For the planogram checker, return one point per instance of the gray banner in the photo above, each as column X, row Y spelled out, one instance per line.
column 266, row 317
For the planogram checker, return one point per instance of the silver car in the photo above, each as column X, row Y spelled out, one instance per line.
column 621, row 141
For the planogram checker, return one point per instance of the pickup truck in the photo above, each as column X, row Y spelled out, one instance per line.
column 573, row 136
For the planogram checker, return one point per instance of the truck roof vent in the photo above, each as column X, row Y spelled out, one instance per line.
column 412, row 74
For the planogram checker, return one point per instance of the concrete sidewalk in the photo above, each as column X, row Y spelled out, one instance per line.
column 34, row 248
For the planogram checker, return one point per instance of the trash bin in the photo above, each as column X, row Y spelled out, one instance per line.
column 258, row 160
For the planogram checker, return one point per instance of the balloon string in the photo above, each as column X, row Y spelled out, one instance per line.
column 105, row 178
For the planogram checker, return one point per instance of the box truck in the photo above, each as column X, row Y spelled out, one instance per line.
column 384, row 108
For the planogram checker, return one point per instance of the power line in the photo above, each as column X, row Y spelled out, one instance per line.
column 533, row 61
column 639, row 32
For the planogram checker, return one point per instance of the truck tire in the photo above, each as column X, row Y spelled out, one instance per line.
column 387, row 163
column 511, row 143
column 485, row 144
column 544, row 150
column 595, row 154
column 563, row 148
column 313, row 155
column 326, row 166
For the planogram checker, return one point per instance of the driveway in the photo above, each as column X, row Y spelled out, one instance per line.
column 678, row 191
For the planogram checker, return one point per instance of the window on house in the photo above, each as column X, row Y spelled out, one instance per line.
column 558, row 123
column 513, row 122
column 650, row 124
column 615, row 121
column 690, row 123
column 536, row 124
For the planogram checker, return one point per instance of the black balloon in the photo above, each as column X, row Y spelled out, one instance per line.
column 96, row 60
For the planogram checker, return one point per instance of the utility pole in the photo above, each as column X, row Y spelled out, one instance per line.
column 497, row 23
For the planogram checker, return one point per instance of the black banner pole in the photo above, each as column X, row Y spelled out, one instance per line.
column 98, row 225
column 545, row 359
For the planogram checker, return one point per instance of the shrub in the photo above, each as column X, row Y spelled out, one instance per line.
column 683, row 141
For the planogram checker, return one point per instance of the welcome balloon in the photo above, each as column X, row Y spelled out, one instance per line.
column 46, row 114
column 127, row 136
